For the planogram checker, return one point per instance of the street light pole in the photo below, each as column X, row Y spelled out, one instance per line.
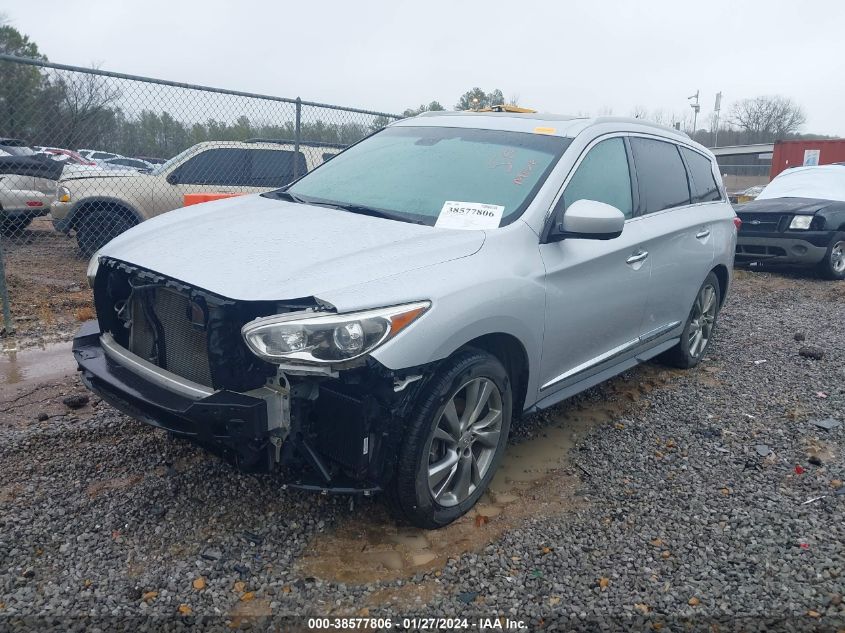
column 716, row 110
column 695, row 108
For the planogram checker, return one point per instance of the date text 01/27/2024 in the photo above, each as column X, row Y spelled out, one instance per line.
column 419, row 623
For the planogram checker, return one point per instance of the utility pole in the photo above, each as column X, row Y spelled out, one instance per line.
column 716, row 110
column 695, row 108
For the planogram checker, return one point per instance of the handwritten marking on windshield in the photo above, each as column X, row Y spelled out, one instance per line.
column 521, row 176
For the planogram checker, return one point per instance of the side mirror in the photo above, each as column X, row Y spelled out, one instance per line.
column 588, row 220
column 173, row 177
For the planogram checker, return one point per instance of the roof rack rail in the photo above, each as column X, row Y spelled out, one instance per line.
column 283, row 141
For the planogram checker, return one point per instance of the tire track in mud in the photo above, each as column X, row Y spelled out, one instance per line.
column 537, row 478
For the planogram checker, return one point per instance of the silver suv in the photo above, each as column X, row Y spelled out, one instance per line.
column 378, row 324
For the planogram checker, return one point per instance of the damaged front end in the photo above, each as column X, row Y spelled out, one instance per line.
column 174, row 356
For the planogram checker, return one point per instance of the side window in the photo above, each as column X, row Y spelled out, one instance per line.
column 661, row 175
column 603, row 176
column 224, row 166
column 274, row 168
column 703, row 184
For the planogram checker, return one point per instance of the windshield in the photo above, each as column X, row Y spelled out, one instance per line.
column 170, row 162
column 410, row 173
column 826, row 182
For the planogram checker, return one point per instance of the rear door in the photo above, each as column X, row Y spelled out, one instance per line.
column 274, row 168
column 677, row 222
column 596, row 290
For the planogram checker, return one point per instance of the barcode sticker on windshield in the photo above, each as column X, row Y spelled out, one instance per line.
column 469, row 215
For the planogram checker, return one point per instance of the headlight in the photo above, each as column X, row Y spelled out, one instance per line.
column 63, row 194
column 93, row 267
column 801, row 222
column 324, row 338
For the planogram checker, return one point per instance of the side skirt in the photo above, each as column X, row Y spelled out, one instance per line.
column 604, row 374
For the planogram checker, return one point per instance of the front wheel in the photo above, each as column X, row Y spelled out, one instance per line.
column 698, row 330
column 454, row 441
column 97, row 228
column 833, row 264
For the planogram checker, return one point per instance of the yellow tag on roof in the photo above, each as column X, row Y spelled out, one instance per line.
column 544, row 130
column 504, row 107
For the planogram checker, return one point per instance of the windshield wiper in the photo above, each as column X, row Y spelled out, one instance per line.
column 364, row 210
column 290, row 197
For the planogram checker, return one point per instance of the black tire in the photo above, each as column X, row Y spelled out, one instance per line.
column 680, row 355
column 96, row 228
column 12, row 227
column 409, row 494
column 833, row 265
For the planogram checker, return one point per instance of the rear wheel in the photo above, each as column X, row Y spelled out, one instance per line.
column 11, row 227
column 833, row 264
column 455, row 441
column 98, row 227
column 698, row 330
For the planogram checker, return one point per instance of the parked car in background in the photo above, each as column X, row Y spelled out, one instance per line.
column 67, row 155
column 798, row 219
column 15, row 147
column 746, row 195
column 101, row 205
column 27, row 186
column 95, row 154
column 377, row 325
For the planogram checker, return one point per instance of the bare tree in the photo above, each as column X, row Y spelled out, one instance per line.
column 514, row 99
column 639, row 112
column 86, row 102
column 767, row 118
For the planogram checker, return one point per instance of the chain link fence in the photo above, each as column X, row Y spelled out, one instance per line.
column 86, row 154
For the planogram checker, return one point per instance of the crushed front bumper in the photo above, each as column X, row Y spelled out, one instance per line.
column 231, row 424
column 343, row 440
column 808, row 248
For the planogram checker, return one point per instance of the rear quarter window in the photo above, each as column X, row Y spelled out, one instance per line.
column 661, row 175
column 274, row 168
column 703, row 184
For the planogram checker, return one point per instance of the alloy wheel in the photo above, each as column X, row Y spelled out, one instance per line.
column 465, row 441
column 701, row 320
column 837, row 257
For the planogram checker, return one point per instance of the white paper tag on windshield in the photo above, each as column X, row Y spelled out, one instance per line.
column 469, row 215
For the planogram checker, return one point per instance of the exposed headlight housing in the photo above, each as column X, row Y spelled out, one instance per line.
column 62, row 194
column 93, row 267
column 801, row 222
column 323, row 338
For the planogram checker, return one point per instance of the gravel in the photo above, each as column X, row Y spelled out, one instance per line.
column 702, row 507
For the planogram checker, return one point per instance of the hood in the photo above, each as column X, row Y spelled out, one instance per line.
column 807, row 206
column 255, row 248
column 79, row 172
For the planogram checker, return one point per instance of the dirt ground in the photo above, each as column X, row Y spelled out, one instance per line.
column 48, row 291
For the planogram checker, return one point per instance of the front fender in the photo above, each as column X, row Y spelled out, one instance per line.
column 78, row 209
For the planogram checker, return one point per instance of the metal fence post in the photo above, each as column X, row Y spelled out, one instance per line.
column 8, row 326
column 297, row 138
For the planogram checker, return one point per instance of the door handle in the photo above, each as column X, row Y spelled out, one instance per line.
column 702, row 234
column 637, row 257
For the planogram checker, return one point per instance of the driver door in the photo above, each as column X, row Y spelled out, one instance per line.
column 596, row 290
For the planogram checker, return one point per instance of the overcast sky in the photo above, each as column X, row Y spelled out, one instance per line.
column 588, row 56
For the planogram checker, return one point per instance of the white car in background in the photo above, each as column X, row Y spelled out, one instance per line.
column 95, row 154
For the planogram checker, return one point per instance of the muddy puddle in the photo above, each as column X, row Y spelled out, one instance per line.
column 537, row 478
column 34, row 365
